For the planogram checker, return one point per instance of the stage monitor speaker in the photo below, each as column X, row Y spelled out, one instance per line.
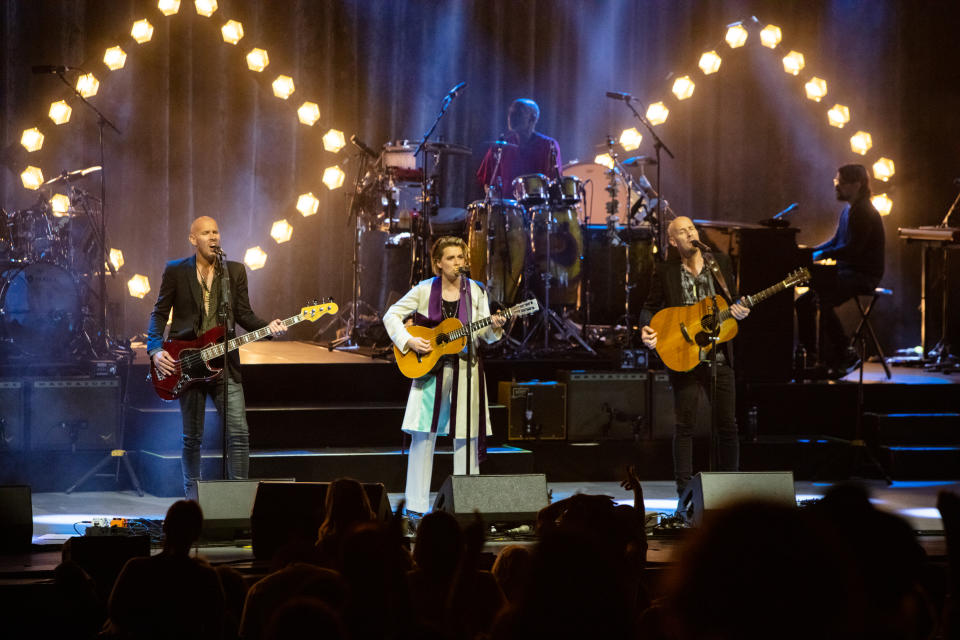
column 535, row 410
column 285, row 511
column 664, row 418
column 16, row 514
column 226, row 506
column 11, row 416
column 712, row 490
column 498, row 498
column 606, row 405
column 74, row 414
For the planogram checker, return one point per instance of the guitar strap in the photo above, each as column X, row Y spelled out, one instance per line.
column 714, row 267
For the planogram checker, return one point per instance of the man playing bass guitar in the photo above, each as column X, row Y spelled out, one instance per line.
column 436, row 402
column 191, row 287
column 687, row 281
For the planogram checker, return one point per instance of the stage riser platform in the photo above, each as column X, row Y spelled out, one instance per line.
column 914, row 428
column 161, row 474
column 360, row 425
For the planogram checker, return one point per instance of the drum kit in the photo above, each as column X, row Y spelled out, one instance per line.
column 47, row 260
column 533, row 244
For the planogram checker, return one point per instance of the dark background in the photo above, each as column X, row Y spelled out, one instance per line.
column 203, row 135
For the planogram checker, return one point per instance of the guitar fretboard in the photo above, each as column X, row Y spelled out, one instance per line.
column 473, row 327
column 750, row 301
column 217, row 350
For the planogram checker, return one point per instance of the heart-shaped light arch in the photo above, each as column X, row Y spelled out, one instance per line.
column 737, row 35
column 115, row 57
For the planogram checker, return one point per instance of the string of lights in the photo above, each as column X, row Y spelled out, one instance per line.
column 770, row 36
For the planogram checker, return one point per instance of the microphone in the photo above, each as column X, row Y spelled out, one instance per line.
column 357, row 142
column 457, row 90
column 464, row 271
column 49, row 68
column 792, row 207
column 217, row 250
column 701, row 246
column 619, row 95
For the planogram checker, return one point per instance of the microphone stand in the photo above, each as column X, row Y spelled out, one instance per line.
column 225, row 316
column 464, row 298
column 658, row 144
column 102, row 121
column 421, row 260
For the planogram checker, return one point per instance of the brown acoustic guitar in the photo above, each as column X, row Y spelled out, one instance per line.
column 448, row 337
column 682, row 332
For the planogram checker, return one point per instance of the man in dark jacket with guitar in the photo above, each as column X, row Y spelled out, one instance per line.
column 192, row 287
column 677, row 283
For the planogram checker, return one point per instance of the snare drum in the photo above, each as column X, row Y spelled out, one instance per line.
column 561, row 260
column 531, row 189
column 500, row 230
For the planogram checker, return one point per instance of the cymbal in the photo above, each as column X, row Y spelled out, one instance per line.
column 639, row 160
column 450, row 148
column 71, row 176
column 500, row 143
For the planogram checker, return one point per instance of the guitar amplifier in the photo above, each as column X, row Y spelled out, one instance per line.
column 535, row 410
column 664, row 418
column 11, row 416
column 606, row 405
column 74, row 414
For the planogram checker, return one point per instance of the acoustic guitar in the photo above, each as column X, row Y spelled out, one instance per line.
column 683, row 332
column 449, row 337
column 195, row 360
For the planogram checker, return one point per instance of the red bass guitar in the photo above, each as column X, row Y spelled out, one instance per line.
column 194, row 358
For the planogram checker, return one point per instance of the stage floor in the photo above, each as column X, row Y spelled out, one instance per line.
column 58, row 516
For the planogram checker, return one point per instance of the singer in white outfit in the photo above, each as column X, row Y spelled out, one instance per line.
column 436, row 404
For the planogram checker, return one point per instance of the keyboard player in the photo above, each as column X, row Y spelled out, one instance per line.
column 858, row 248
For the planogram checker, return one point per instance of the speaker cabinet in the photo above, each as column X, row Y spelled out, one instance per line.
column 606, row 405
column 226, row 506
column 664, row 418
column 713, row 490
column 498, row 498
column 535, row 410
column 285, row 511
column 12, row 433
column 74, row 414
column 16, row 514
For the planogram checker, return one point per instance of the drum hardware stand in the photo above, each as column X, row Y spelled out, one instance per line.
column 104, row 340
column 349, row 338
column 660, row 230
column 119, row 453
column 549, row 318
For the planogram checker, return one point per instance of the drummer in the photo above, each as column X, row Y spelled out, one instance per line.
column 527, row 151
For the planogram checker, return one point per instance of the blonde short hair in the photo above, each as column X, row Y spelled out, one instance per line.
column 441, row 244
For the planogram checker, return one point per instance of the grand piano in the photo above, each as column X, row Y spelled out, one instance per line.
column 761, row 256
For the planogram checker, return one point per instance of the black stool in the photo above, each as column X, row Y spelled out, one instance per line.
column 866, row 325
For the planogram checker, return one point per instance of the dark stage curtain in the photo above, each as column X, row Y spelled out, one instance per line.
column 203, row 135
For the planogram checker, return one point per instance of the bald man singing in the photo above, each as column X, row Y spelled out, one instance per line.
column 684, row 280
column 191, row 287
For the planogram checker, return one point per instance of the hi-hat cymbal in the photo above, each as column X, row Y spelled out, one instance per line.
column 450, row 148
column 71, row 176
column 639, row 160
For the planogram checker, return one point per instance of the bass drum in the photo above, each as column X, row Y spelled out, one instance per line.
column 40, row 309
column 500, row 230
column 562, row 260
column 594, row 180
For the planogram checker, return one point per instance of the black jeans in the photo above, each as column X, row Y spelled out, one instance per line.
column 686, row 395
column 830, row 288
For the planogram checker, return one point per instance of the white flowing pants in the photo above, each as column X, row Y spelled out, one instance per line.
column 420, row 466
